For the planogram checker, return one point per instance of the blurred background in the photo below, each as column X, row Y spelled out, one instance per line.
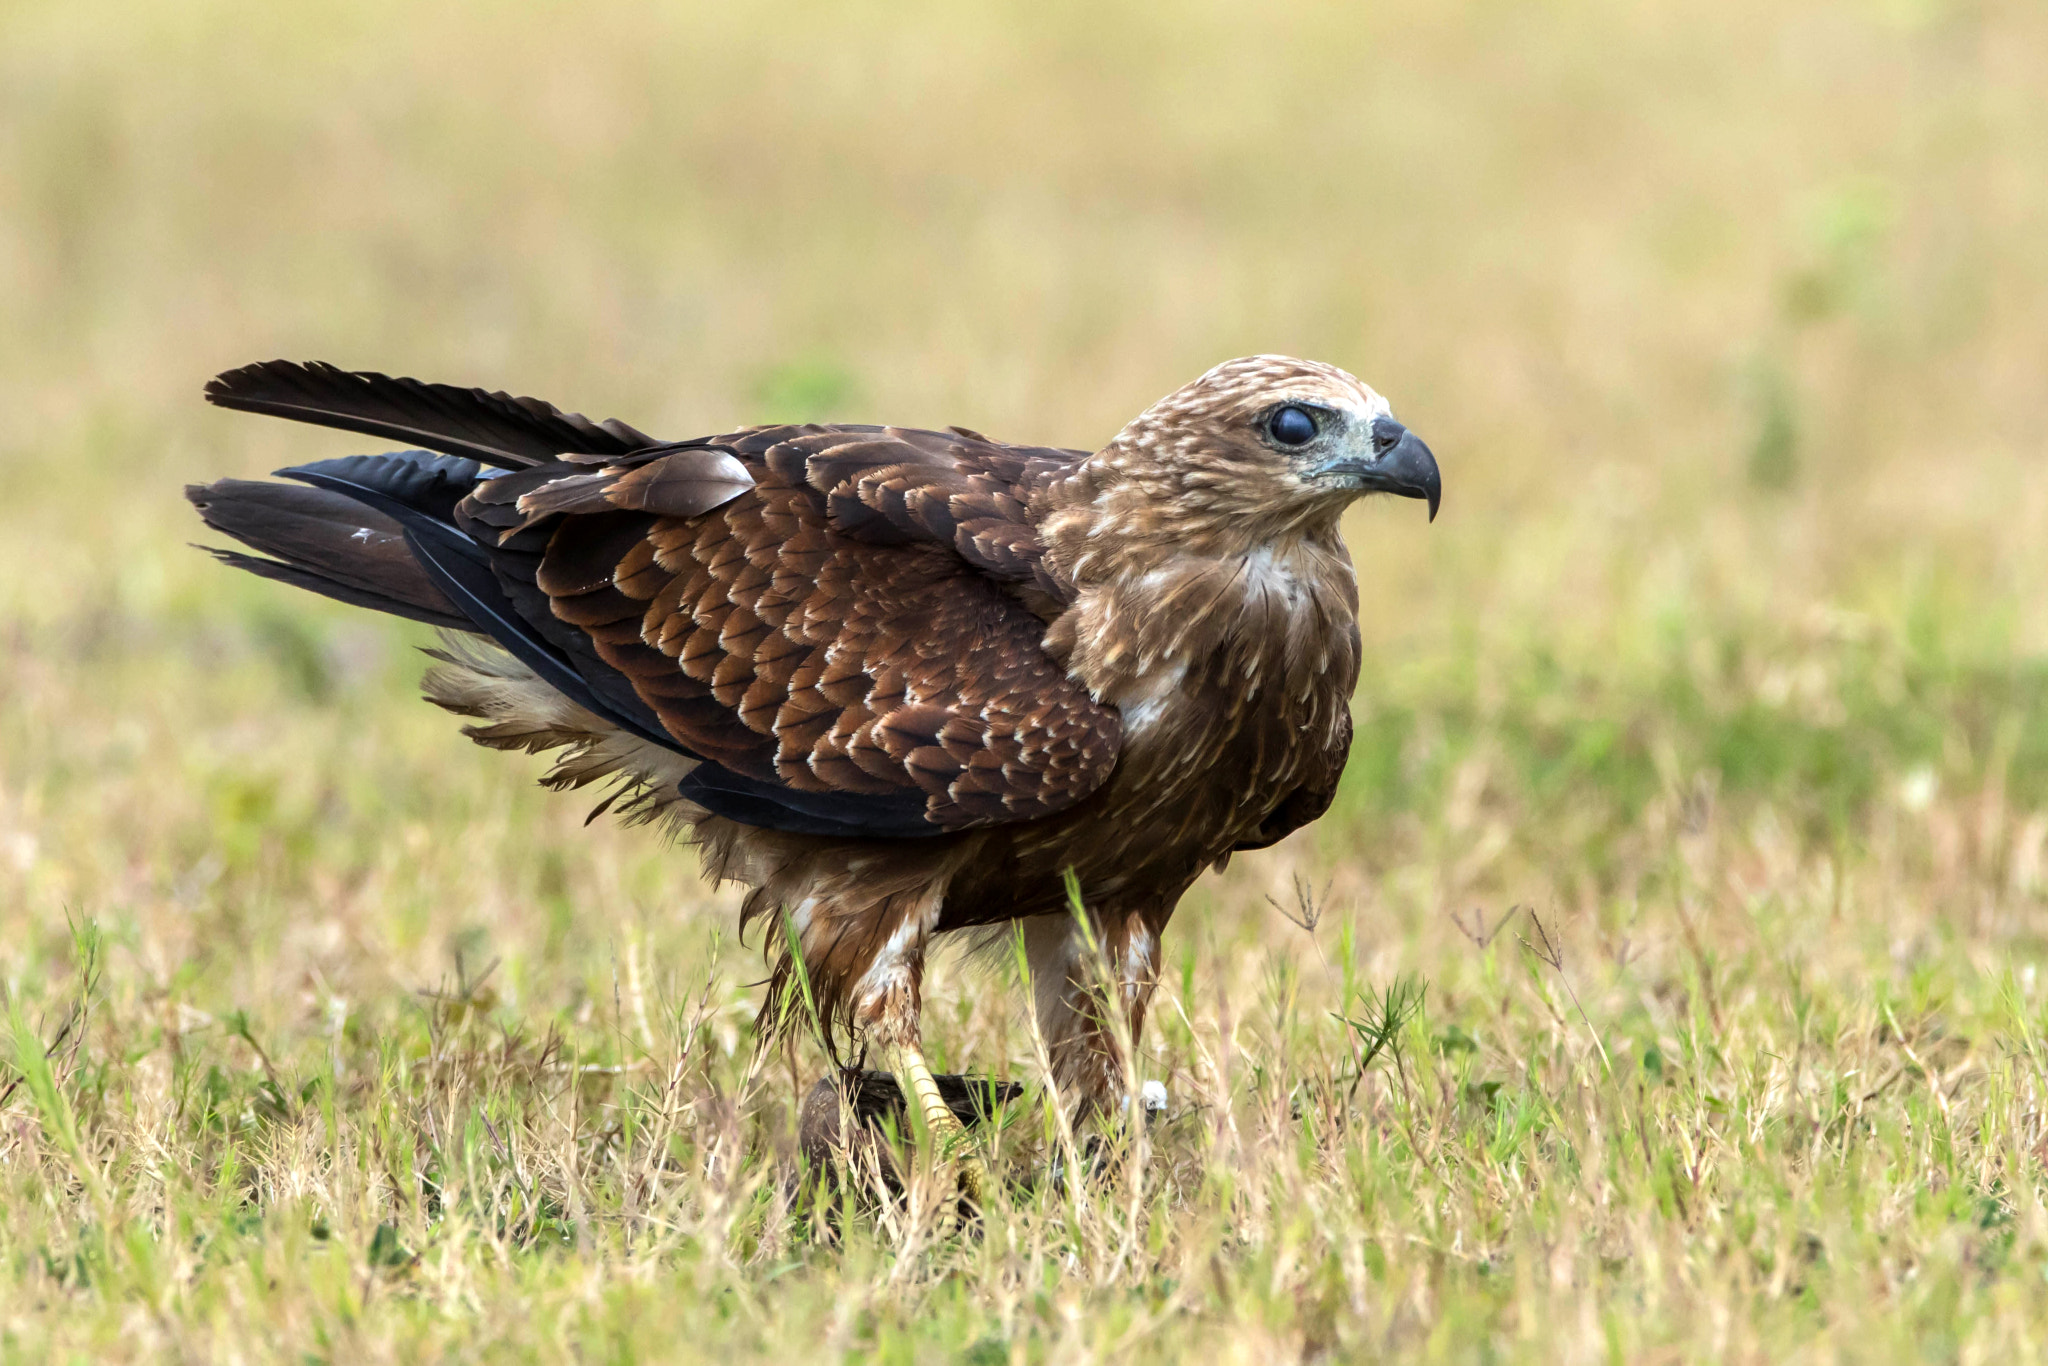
column 1728, row 322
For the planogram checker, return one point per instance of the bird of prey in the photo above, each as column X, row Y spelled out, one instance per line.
column 899, row 683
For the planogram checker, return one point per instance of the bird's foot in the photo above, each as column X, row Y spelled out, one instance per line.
column 949, row 1138
column 972, row 1173
column 1095, row 1151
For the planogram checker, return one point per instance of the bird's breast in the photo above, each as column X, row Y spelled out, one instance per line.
column 1232, row 677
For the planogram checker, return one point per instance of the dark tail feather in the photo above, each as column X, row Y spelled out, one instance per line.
column 418, row 493
column 327, row 543
column 495, row 428
column 378, row 530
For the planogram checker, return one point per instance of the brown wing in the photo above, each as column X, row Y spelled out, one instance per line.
column 836, row 642
column 838, row 622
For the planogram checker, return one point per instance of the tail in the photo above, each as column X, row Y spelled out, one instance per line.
column 324, row 542
column 328, row 539
column 491, row 428
column 380, row 531
column 435, row 536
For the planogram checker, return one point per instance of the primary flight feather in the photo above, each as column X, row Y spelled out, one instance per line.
column 898, row 682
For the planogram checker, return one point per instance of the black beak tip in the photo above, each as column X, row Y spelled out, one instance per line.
column 1415, row 464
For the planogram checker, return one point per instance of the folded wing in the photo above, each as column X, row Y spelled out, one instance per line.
column 843, row 625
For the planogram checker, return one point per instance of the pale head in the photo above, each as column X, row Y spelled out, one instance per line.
column 1268, row 439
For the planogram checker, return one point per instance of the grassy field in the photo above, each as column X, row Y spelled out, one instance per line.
column 1701, row 784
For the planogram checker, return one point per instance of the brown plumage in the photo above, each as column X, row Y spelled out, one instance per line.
column 899, row 683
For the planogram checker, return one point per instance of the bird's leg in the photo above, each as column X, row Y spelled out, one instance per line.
column 940, row 1123
column 884, row 1009
column 1093, row 1019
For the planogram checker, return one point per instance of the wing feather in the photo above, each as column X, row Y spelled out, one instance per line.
column 494, row 428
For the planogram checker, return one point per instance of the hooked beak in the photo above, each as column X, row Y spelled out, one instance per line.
column 1400, row 464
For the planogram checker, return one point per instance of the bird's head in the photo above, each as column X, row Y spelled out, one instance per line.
column 1267, row 441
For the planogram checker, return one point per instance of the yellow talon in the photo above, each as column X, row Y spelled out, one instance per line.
column 947, row 1133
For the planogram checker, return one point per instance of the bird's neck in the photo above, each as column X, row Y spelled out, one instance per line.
column 1161, row 623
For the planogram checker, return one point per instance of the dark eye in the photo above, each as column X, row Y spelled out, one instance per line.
column 1292, row 426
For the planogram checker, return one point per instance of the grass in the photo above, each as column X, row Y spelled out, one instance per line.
column 1666, row 982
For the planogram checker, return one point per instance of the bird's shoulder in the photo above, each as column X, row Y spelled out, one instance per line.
column 907, row 485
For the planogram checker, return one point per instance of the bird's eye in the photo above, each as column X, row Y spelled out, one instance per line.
column 1292, row 426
